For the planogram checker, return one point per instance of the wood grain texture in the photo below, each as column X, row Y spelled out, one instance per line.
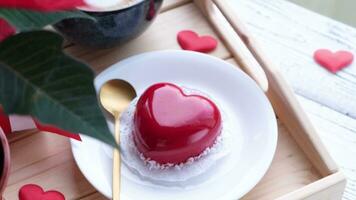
column 233, row 42
column 338, row 132
column 161, row 35
column 171, row 4
column 20, row 135
column 283, row 99
column 46, row 159
column 94, row 196
column 332, row 189
column 290, row 170
column 290, row 34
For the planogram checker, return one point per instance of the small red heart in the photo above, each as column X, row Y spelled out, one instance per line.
column 171, row 127
column 35, row 192
column 333, row 61
column 190, row 40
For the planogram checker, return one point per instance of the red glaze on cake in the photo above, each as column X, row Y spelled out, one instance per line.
column 171, row 127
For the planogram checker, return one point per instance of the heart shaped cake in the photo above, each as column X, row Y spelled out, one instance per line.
column 171, row 127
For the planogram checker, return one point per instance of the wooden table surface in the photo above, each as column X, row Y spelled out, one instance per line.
column 288, row 33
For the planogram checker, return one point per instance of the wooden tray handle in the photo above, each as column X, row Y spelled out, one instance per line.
column 235, row 45
column 279, row 93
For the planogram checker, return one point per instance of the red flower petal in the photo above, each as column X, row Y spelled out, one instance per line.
column 4, row 122
column 6, row 30
column 6, row 127
column 42, row 5
column 53, row 129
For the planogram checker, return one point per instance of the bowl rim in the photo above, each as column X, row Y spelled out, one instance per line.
column 88, row 10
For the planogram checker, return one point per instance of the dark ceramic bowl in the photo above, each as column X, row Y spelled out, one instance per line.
column 111, row 28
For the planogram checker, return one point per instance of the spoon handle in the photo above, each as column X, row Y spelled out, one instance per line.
column 116, row 178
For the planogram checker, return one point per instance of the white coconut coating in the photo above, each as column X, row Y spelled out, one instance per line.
column 170, row 174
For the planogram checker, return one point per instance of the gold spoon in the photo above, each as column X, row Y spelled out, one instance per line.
column 115, row 97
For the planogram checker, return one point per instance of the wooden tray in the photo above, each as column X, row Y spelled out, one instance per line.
column 301, row 169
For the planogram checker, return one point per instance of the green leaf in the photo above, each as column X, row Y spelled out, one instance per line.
column 38, row 79
column 26, row 20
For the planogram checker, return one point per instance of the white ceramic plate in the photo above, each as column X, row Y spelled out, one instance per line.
column 253, row 123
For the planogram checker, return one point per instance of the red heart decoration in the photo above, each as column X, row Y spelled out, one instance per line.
column 333, row 61
column 189, row 40
column 35, row 192
column 171, row 127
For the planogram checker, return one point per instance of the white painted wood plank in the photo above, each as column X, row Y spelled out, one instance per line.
column 338, row 132
column 290, row 35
